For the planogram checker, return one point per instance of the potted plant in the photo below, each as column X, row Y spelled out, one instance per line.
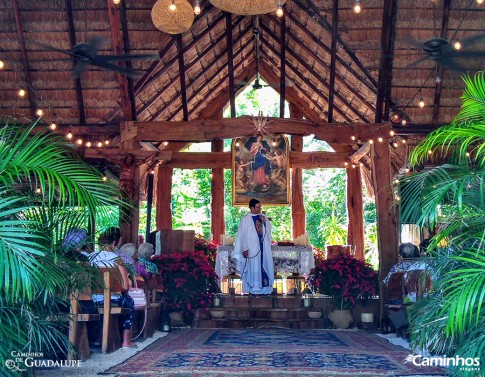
column 190, row 282
column 345, row 279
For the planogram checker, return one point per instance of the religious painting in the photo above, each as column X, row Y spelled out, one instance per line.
column 260, row 169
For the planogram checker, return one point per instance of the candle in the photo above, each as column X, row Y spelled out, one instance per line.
column 217, row 301
column 166, row 328
column 306, row 302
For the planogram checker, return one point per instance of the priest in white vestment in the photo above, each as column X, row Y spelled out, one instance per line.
column 252, row 251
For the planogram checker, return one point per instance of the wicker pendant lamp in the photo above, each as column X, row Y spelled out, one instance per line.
column 172, row 16
column 248, row 7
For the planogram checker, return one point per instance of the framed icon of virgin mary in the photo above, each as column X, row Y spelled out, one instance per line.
column 260, row 169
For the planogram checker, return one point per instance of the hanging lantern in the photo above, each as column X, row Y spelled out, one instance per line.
column 172, row 16
column 295, row 283
column 248, row 7
column 277, row 284
column 231, row 283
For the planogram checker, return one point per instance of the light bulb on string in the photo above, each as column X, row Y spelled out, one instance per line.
column 165, row 143
column 79, row 141
column 172, row 6
column 380, row 139
column 106, row 142
column 357, row 7
column 105, row 179
column 353, row 137
column 2, row 64
column 371, row 141
column 116, row 2
column 279, row 10
column 99, row 144
column 53, row 126
column 39, row 112
column 395, row 144
column 479, row 1
column 421, row 103
column 88, row 144
column 404, row 122
column 197, row 8
column 69, row 135
column 392, row 133
column 22, row 92
column 457, row 45
column 346, row 163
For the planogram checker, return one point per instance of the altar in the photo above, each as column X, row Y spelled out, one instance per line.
column 285, row 259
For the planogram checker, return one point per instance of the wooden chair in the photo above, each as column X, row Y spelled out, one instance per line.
column 112, row 283
column 155, row 286
column 393, row 299
column 78, row 332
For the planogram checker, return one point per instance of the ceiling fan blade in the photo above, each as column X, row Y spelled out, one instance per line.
column 52, row 48
column 94, row 45
column 112, row 67
column 452, row 65
column 467, row 42
column 127, row 57
column 416, row 62
column 413, row 42
column 469, row 54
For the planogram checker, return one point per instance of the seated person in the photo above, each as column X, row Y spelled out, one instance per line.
column 408, row 253
column 145, row 252
column 128, row 253
column 108, row 258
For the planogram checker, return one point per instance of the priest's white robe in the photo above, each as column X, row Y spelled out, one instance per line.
column 250, row 268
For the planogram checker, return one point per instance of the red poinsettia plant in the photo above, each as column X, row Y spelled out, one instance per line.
column 208, row 247
column 345, row 279
column 189, row 280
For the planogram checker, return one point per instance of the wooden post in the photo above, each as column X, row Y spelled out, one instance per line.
column 217, row 216
column 298, row 214
column 164, row 198
column 387, row 230
column 355, row 209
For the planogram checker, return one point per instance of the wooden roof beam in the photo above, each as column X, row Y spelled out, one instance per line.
column 229, row 128
column 160, row 93
column 209, row 79
column 118, row 49
column 333, row 57
column 311, row 8
column 283, row 63
column 385, row 67
column 25, row 59
column 230, row 64
column 199, row 76
column 438, row 87
column 302, row 61
column 310, row 84
column 340, row 80
column 183, row 86
column 129, row 65
column 77, row 81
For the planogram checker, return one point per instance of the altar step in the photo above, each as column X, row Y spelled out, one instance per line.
column 282, row 311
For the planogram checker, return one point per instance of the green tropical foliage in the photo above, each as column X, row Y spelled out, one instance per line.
column 451, row 198
column 45, row 191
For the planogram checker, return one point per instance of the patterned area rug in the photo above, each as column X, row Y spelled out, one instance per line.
column 271, row 352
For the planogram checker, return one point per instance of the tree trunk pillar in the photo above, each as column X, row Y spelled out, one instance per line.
column 298, row 214
column 164, row 198
column 217, row 216
column 355, row 209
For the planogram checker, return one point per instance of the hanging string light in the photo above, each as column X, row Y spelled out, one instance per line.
column 357, row 7
column 69, row 134
column 197, row 8
column 22, row 92
column 53, row 126
column 2, row 64
column 279, row 10
column 457, row 45
column 172, row 6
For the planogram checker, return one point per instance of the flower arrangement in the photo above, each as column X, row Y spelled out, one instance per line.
column 345, row 279
column 189, row 280
column 208, row 247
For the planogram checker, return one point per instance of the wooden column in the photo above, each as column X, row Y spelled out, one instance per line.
column 218, row 227
column 355, row 209
column 387, row 229
column 130, row 217
column 298, row 214
column 164, row 198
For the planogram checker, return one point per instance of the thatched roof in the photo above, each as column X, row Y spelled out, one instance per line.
column 102, row 97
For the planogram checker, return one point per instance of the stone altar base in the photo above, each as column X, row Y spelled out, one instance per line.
column 283, row 311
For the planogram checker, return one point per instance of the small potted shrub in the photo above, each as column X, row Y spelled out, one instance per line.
column 345, row 279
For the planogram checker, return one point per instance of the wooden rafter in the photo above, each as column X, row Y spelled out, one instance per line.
column 230, row 64
column 199, row 58
column 283, row 63
column 183, row 86
column 77, row 81
column 438, row 87
column 333, row 58
column 327, row 67
column 25, row 59
column 305, row 64
column 229, row 128
column 201, row 74
column 385, row 68
column 214, row 76
column 114, row 21
column 126, row 46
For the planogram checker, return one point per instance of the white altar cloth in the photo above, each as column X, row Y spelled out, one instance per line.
column 285, row 259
